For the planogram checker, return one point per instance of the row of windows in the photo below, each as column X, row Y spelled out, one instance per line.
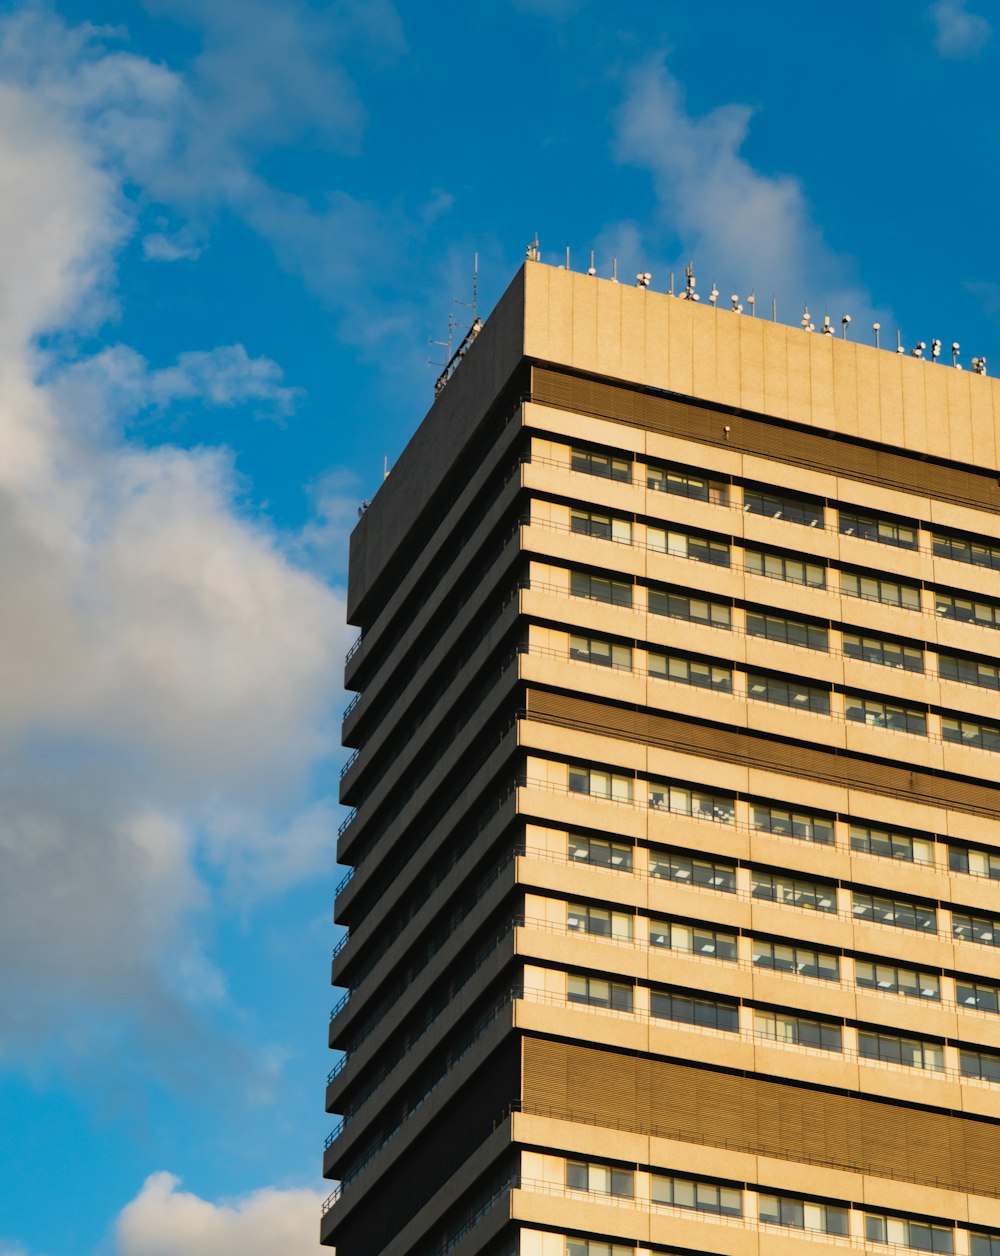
column 793, row 1212
column 808, row 512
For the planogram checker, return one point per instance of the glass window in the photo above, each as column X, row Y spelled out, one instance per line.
column 685, row 1008
column 802, row 1214
column 880, row 713
column 701, row 1196
column 607, row 466
column 967, row 610
column 600, row 851
column 778, row 567
column 686, row 484
column 604, row 1179
column 874, row 528
column 694, row 609
column 974, row 862
column 691, row 672
column 687, row 545
column 984, row 1065
column 692, row 939
column 883, row 651
column 966, row 732
column 599, row 992
column 979, row 553
column 602, row 653
column 601, row 922
column 876, row 589
column 783, row 957
column 902, row 913
column 890, row 979
column 969, row 671
column 909, row 1052
column 802, row 1031
column 600, row 588
column 704, row 873
column 978, row 994
column 776, row 506
column 791, row 631
column 887, row 845
column 808, row 826
column 604, row 527
column 984, row 1244
column 982, row 929
column 686, row 800
column 904, row 1233
column 600, row 784
column 596, row 1247
column 794, row 892
column 790, row 693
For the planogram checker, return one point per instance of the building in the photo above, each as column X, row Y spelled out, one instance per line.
column 674, row 908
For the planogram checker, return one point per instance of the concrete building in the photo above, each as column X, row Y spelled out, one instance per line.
column 674, row 908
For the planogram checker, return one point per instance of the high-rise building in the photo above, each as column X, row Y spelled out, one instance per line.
column 674, row 902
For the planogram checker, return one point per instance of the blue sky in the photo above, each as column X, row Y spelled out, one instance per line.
column 228, row 229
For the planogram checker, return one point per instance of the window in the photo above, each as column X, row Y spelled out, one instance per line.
column 973, row 862
column 600, row 588
column 889, row 979
column 801, row 1214
column 801, row 960
column 894, row 911
column 983, row 1065
column 600, row 851
column 871, row 841
column 603, row 653
column 705, row 873
column 965, row 550
column 687, row 801
column 873, row 528
column 685, row 484
column 967, row 610
column 794, row 892
column 981, row 929
column 695, row 610
column 708, row 1013
column 604, row 1179
column 601, row 922
column 600, row 784
column 805, row 825
column 777, row 567
column 977, row 994
column 691, row 672
column 880, row 713
column 909, row 1052
column 904, row 1233
column 692, row 939
column 605, row 465
column 791, row 509
column 984, row 1244
column 969, row 671
column 970, row 733
column 599, row 992
column 791, row 631
column 883, row 651
column 687, row 545
column 596, row 1247
column 876, row 589
column 701, row 1196
column 790, row 693
column 604, row 527
column 800, row 1030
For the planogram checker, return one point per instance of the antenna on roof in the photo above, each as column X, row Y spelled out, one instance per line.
column 531, row 253
column 473, row 304
column 614, row 270
column 444, row 344
column 807, row 323
column 642, row 279
column 845, row 322
column 774, row 309
column 826, row 329
column 935, row 350
column 593, row 269
column 876, row 328
column 752, row 302
column 670, row 290
column 735, row 302
column 713, row 296
column 899, row 342
column 979, row 365
column 567, row 257
column 689, row 292
column 955, row 346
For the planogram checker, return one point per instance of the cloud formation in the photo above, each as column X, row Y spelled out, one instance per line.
column 165, row 1221
column 957, row 32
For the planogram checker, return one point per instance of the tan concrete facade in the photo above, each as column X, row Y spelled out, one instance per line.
column 675, row 904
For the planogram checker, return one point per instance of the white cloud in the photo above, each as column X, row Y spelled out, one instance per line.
column 958, row 33
column 165, row 1221
column 746, row 229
